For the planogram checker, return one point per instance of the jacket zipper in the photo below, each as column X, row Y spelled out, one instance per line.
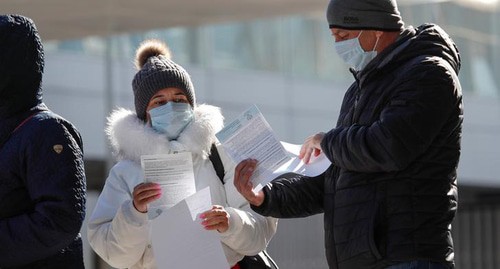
column 357, row 95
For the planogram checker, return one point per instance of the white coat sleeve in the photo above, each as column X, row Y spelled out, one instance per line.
column 117, row 232
column 248, row 233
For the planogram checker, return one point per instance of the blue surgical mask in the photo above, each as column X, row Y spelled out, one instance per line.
column 353, row 54
column 171, row 118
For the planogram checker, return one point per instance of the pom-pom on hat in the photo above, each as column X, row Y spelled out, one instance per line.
column 382, row 15
column 157, row 71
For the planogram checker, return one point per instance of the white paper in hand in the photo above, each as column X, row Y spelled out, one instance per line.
column 250, row 136
column 180, row 242
column 316, row 166
column 174, row 173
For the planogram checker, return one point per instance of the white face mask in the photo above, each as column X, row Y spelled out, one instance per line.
column 171, row 118
column 353, row 54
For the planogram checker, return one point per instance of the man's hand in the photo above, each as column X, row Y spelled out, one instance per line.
column 145, row 193
column 312, row 146
column 243, row 172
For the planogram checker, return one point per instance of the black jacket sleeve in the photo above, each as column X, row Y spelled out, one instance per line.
column 405, row 129
column 292, row 196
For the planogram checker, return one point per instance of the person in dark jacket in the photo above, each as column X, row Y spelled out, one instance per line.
column 390, row 195
column 42, row 181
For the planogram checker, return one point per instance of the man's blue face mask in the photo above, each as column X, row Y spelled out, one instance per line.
column 353, row 54
column 171, row 119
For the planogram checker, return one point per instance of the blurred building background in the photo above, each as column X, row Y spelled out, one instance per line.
column 279, row 55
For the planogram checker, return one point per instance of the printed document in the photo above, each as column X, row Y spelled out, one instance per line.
column 250, row 136
column 181, row 242
column 174, row 173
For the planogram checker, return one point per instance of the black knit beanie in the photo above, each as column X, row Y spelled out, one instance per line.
column 157, row 71
column 382, row 15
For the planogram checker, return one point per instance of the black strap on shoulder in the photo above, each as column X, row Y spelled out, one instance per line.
column 217, row 163
column 4, row 139
column 261, row 260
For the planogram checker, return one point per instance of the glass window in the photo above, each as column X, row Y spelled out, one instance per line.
column 302, row 46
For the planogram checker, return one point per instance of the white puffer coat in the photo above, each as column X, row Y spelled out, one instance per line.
column 122, row 236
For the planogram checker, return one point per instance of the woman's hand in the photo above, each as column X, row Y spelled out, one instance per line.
column 216, row 218
column 145, row 193
column 242, row 174
column 311, row 147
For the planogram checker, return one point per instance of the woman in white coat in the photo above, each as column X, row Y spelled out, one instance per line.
column 167, row 120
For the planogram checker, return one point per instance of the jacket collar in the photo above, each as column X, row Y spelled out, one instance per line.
column 131, row 137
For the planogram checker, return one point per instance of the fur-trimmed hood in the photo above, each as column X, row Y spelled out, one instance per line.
column 130, row 137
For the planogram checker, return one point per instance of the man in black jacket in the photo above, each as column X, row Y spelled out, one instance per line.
column 390, row 195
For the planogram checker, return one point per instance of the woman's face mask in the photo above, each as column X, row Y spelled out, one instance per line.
column 171, row 118
column 353, row 54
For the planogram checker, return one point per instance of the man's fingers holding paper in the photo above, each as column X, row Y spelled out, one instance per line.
column 243, row 173
column 311, row 147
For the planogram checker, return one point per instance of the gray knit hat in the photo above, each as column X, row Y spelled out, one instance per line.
column 157, row 71
column 382, row 15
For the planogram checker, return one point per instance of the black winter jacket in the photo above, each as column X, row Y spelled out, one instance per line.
column 42, row 195
column 42, row 180
column 390, row 195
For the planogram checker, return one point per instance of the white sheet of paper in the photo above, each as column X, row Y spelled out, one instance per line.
column 174, row 172
column 179, row 242
column 250, row 136
column 317, row 164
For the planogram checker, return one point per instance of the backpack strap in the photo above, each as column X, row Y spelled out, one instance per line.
column 217, row 163
column 261, row 260
column 23, row 122
column 3, row 141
